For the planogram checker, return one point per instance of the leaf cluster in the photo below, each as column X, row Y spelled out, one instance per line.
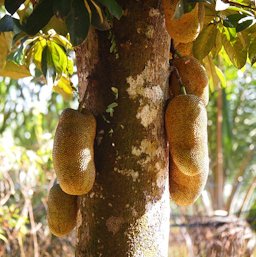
column 72, row 16
column 44, row 35
column 229, row 35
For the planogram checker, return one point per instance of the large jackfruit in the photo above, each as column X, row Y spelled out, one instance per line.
column 62, row 211
column 193, row 76
column 184, row 189
column 184, row 29
column 186, row 127
column 73, row 155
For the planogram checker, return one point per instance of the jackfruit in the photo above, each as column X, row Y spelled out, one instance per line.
column 193, row 76
column 184, row 189
column 184, row 29
column 62, row 211
column 73, row 153
column 186, row 127
column 183, row 49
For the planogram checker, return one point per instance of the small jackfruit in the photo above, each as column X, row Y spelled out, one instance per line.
column 184, row 189
column 186, row 127
column 73, row 153
column 184, row 29
column 193, row 76
column 62, row 211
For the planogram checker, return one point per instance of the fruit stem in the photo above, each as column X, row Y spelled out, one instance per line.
column 182, row 86
column 183, row 90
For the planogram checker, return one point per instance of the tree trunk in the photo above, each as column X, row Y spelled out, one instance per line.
column 127, row 212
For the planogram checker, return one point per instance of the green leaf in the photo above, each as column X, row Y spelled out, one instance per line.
column 70, row 67
column 47, row 65
column 244, row 23
column 113, row 7
column 217, row 45
column 205, row 41
column 232, row 20
column 13, row 5
column 234, row 48
column 5, row 46
column 39, row 18
column 252, row 51
column 14, row 71
column 44, row 61
column 221, row 76
column 62, row 41
column 239, row 21
column 110, row 108
column 211, row 71
column 59, row 57
column 37, row 51
column 64, row 87
column 78, row 22
column 99, row 20
column 18, row 56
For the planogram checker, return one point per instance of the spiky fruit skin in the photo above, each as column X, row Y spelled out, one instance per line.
column 62, row 211
column 186, row 127
column 193, row 77
column 186, row 28
column 73, row 154
column 184, row 189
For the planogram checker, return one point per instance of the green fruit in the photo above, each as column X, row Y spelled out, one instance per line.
column 184, row 189
column 186, row 127
column 73, row 153
column 193, row 77
column 62, row 211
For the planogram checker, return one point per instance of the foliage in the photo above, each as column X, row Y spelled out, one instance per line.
column 30, row 39
column 29, row 117
column 27, row 109
column 25, row 176
column 238, row 131
column 238, row 117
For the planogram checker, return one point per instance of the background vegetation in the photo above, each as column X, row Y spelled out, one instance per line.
column 29, row 113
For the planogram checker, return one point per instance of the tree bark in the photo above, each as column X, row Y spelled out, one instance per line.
column 127, row 211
